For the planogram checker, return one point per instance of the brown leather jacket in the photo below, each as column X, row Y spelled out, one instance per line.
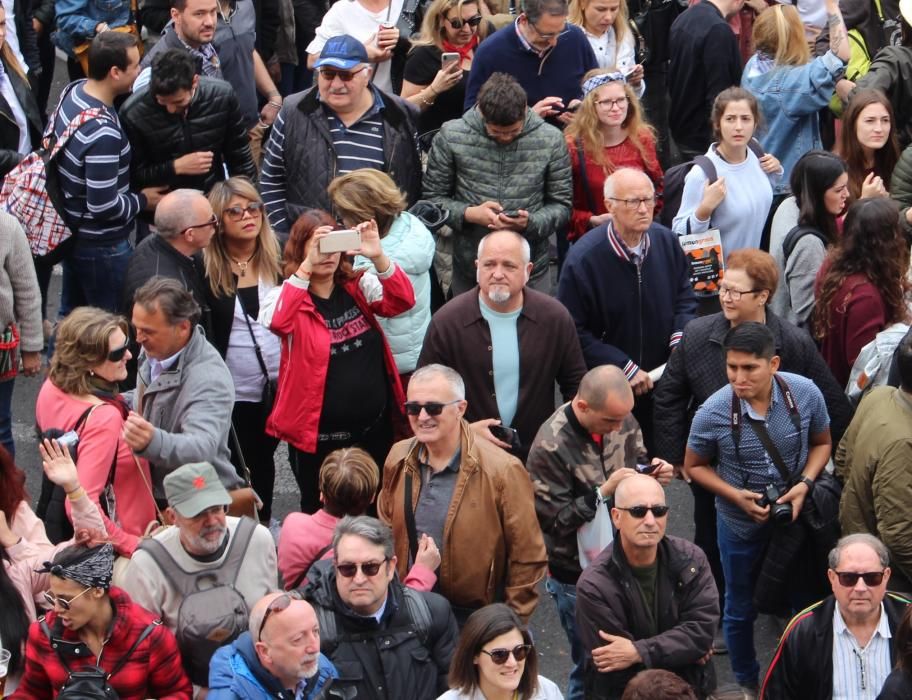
column 493, row 548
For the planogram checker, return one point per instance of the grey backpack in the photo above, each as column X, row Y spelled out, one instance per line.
column 212, row 612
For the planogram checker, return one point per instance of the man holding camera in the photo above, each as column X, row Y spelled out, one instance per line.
column 763, row 427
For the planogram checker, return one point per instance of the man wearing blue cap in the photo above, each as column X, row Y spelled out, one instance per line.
column 343, row 124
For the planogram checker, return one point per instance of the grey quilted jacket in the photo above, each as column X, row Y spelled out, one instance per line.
column 466, row 167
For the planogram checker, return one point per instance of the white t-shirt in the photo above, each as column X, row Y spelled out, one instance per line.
column 350, row 17
column 609, row 55
column 241, row 357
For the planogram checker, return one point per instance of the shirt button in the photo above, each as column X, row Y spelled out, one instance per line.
column 490, row 372
column 490, row 347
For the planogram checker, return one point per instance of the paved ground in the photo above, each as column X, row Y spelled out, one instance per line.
column 550, row 640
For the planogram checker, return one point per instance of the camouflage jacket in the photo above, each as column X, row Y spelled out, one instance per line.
column 566, row 466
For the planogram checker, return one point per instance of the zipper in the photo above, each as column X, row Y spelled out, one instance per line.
column 640, row 310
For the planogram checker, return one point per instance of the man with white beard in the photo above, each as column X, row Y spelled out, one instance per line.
column 530, row 338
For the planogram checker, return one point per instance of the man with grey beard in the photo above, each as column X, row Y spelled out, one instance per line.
column 196, row 563
column 530, row 338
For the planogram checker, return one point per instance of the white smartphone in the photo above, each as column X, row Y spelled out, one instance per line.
column 340, row 241
column 448, row 57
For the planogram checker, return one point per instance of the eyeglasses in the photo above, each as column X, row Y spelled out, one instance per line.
column 432, row 408
column 346, row 76
column 639, row 512
column 636, row 203
column 117, row 354
column 368, row 568
column 458, row 22
column 548, row 37
column 849, row 579
column 54, row 600
column 276, row 606
column 500, row 656
column 238, row 213
column 608, row 104
column 736, row 294
column 213, row 222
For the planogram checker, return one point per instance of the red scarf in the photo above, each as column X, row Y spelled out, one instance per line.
column 463, row 50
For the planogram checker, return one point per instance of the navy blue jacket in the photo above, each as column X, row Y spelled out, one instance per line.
column 627, row 316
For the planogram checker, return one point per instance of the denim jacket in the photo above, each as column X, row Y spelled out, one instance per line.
column 77, row 19
column 790, row 97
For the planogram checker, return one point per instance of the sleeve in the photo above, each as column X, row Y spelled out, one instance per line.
column 103, row 198
column 625, row 60
column 143, row 171
column 73, row 19
column 166, row 678
column 420, row 578
column 43, row 11
column 685, row 308
column 820, row 419
column 236, row 146
column 272, row 177
column 580, row 213
column 901, row 187
column 702, row 439
column 142, row 580
column 815, row 369
column 672, row 398
column 282, row 305
column 435, row 349
column 444, row 647
column 35, row 682
column 809, row 88
column 267, row 28
column 691, row 196
column 558, row 195
column 801, row 273
column 439, row 182
column 865, row 317
column 9, row 159
column 28, row 526
column 781, row 677
column 890, row 488
column 560, row 512
column 420, row 68
column 572, row 366
column 389, row 293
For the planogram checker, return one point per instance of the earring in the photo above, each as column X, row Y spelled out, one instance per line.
column 92, row 372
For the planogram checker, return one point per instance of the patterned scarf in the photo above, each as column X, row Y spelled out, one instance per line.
column 94, row 570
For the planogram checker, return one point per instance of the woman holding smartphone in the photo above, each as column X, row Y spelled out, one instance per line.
column 437, row 67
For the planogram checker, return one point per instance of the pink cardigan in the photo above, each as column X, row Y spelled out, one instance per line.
column 302, row 538
column 99, row 439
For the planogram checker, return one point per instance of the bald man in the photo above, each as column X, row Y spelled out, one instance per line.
column 647, row 601
column 627, row 285
column 280, row 653
column 577, row 460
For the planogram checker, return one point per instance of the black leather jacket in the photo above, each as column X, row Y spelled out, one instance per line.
column 9, row 130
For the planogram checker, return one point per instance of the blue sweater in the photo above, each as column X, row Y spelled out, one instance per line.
column 624, row 318
column 559, row 74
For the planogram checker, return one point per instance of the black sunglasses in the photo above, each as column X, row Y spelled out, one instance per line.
column 369, row 568
column 639, row 512
column 500, row 656
column 237, row 213
column 849, row 579
column 345, row 76
column 432, row 408
column 117, row 354
column 276, row 606
column 458, row 22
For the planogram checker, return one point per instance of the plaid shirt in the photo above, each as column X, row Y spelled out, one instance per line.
column 153, row 671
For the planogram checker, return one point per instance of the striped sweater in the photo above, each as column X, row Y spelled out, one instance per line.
column 95, row 172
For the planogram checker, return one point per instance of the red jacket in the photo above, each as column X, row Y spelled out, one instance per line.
column 153, row 671
column 295, row 417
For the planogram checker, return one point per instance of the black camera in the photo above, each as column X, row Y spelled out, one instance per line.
column 780, row 512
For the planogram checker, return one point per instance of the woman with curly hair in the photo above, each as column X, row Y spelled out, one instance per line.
column 861, row 288
column 868, row 144
column 608, row 132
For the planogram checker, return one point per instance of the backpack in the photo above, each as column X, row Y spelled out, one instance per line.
column 675, row 176
column 91, row 682
column 31, row 191
column 795, row 235
column 872, row 366
column 212, row 612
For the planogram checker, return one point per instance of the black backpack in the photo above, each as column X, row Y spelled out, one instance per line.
column 795, row 235
column 92, row 682
column 675, row 176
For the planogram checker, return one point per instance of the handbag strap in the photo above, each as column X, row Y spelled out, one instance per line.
column 410, row 517
column 142, row 475
column 245, row 470
column 256, row 345
column 139, row 640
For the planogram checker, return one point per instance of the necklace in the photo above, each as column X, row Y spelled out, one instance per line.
column 242, row 265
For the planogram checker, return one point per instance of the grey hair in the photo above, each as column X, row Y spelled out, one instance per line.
column 536, row 9
column 175, row 302
column 174, row 212
column 366, row 527
column 612, row 179
column 880, row 549
column 526, row 250
column 451, row 375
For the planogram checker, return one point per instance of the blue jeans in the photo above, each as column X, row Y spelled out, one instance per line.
column 6, row 416
column 93, row 275
column 564, row 596
column 739, row 564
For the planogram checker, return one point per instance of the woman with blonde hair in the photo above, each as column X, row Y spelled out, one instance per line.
column 242, row 267
column 81, row 395
column 605, row 25
column 790, row 87
column 368, row 194
column 608, row 132
column 436, row 87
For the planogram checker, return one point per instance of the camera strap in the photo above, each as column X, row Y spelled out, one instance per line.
column 763, row 435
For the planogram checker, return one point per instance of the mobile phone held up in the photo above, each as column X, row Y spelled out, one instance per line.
column 646, row 468
column 340, row 241
column 448, row 57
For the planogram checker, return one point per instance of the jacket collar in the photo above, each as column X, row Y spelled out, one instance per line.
column 171, row 377
column 469, row 459
column 667, row 555
column 720, row 327
column 473, row 306
column 243, row 645
column 620, row 248
column 389, row 109
column 121, row 626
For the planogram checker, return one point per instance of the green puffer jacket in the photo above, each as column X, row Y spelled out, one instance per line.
column 466, row 167
column 901, row 188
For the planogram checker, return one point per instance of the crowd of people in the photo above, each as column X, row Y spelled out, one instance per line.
column 389, row 233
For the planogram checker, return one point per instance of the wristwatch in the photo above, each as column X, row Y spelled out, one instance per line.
column 807, row 481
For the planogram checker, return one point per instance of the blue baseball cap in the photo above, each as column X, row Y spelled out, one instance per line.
column 343, row 51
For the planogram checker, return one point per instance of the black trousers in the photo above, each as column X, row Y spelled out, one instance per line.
column 705, row 532
column 249, row 420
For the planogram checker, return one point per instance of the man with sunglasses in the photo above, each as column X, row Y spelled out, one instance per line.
column 843, row 646
column 647, row 601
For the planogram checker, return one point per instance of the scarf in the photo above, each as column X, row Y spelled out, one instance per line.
column 596, row 81
column 109, row 392
column 94, row 569
column 463, row 50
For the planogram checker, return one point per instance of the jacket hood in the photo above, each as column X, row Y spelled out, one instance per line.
column 243, row 645
column 476, row 123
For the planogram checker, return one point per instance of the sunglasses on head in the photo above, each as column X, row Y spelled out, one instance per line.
column 368, row 568
column 500, row 656
column 237, row 213
column 276, row 606
column 640, row 511
column 432, row 408
column 458, row 22
column 117, row 354
column 64, row 604
column 345, row 76
column 849, row 579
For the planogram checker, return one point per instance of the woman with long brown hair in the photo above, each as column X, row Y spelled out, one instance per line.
column 862, row 286
column 868, row 144
column 608, row 132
